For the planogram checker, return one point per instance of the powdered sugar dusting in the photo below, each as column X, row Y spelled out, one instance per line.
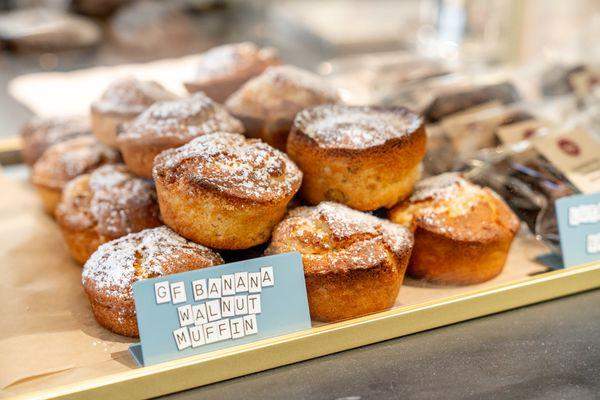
column 447, row 194
column 294, row 76
column 40, row 133
column 344, row 222
column 352, row 127
column 51, row 130
column 68, row 159
column 289, row 75
column 121, row 202
column 230, row 163
column 182, row 119
column 109, row 200
column 445, row 202
column 235, row 58
column 337, row 228
column 129, row 95
column 280, row 92
column 116, row 265
column 438, row 187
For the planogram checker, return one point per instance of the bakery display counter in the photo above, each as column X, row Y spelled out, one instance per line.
column 171, row 203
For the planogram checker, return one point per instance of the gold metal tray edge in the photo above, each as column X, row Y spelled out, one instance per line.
column 9, row 144
column 190, row 372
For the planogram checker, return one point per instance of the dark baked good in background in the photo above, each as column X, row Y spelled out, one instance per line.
column 97, row 8
column 65, row 161
column 104, row 205
column 109, row 274
column 463, row 232
column 169, row 124
column 46, row 28
column 122, row 101
column 354, row 263
column 453, row 101
column 530, row 184
column 364, row 157
column 40, row 133
column 225, row 191
column 161, row 28
column 223, row 69
column 556, row 79
column 516, row 116
column 268, row 104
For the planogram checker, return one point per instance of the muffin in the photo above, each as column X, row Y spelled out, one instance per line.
column 65, row 161
column 223, row 190
column 268, row 103
column 354, row 263
column 463, row 232
column 222, row 70
column 40, row 133
column 111, row 271
column 169, row 124
column 121, row 102
column 104, row 205
column 364, row 157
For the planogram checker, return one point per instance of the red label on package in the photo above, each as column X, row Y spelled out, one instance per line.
column 576, row 154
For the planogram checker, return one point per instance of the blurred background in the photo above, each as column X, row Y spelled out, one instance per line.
column 334, row 37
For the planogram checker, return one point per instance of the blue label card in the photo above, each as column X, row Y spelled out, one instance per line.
column 579, row 228
column 213, row 308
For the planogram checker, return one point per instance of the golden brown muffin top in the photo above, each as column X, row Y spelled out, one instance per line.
column 280, row 92
column 235, row 59
column 232, row 165
column 339, row 126
column 40, row 133
column 181, row 119
column 333, row 237
column 130, row 96
column 116, row 265
column 451, row 206
column 111, row 200
column 70, row 158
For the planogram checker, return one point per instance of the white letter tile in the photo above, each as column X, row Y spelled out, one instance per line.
column 197, row 336
column 213, row 310
column 254, row 304
column 241, row 305
column 182, row 338
column 254, row 282
column 162, row 292
column 250, row 327
column 241, row 282
column 267, row 277
column 228, row 282
column 200, row 316
column 211, row 333
column 214, row 288
column 178, row 293
column 223, row 329
column 237, row 327
column 228, row 306
column 199, row 289
column 186, row 317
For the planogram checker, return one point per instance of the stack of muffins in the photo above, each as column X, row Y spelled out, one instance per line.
column 158, row 184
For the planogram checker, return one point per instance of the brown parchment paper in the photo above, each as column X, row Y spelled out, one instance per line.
column 46, row 322
column 48, row 336
column 78, row 89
